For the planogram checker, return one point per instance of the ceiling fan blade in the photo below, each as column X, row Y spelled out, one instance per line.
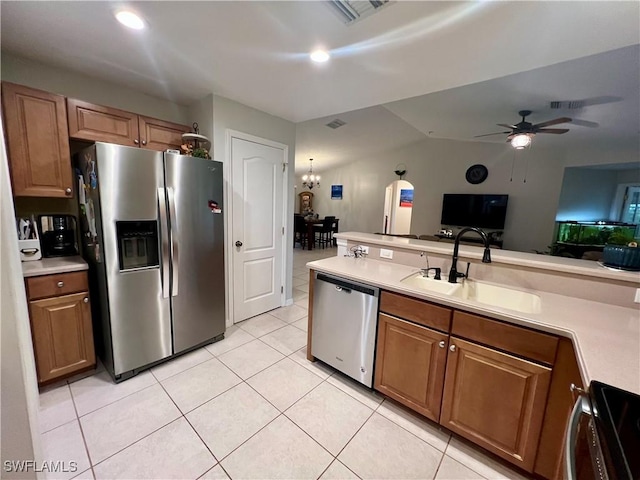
column 489, row 134
column 585, row 123
column 506, row 126
column 553, row 130
column 555, row 121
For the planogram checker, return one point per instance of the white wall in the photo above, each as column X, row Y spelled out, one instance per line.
column 589, row 194
column 231, row 115
column 71, row 84
column 202, row 112
column 18, row 390
column 435, row 167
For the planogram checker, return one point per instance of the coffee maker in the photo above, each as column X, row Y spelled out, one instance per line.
column 58, row 235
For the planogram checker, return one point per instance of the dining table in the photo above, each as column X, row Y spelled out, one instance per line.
column 310, row 223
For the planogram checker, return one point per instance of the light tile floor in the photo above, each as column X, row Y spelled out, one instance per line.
column 250, row 406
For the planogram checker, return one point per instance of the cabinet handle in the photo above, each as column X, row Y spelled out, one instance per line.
column 452, row 348
column 136, row 141
column 68, row 191
column 86, row 300
column 441, row 344
column 60, row 284
column 144, row 142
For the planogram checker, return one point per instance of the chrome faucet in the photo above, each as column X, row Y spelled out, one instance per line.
column 486, row 257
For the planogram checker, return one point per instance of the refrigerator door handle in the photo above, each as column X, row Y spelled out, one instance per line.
column 174, row 241
column 164, row 235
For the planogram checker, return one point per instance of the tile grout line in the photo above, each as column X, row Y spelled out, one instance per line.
column 110, row 403
column 409, row 431
column 182, row 371
column 84, row 440
column 184, row 415
column 280, row 414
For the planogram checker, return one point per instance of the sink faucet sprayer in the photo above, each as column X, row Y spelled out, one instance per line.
column 486, row 257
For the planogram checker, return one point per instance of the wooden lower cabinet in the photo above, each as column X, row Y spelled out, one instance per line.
column 62, row 335
column 410, row 364
column 496, row 400
column 550, row 462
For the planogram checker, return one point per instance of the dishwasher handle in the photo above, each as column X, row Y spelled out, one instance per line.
column 347, row 287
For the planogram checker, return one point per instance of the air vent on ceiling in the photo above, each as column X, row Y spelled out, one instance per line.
column 350, row 11
column 567, row 105
column 337, row 123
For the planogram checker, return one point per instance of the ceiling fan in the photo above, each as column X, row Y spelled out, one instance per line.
column 521, row 133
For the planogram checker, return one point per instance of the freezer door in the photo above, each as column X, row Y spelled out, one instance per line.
column 132, row 206
column 194, row 191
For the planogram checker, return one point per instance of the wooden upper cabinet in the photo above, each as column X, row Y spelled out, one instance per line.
column 102, row 124
column 37, row 142
column 62, row 335
column 160, row 135
column 410, row 364
column 495, row 400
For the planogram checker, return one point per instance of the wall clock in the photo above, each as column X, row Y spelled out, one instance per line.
column 476, row 174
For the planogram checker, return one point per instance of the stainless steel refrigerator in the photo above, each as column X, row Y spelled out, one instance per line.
column 152, row 227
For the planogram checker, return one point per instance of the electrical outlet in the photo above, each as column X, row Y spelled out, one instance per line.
column 364, row 248
column 637, row 299
column 384, row 253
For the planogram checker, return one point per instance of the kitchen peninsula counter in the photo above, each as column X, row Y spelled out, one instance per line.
column 606, row 337
column 572, row 266
column 51, row 266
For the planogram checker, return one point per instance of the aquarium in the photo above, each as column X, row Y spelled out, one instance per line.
column 592, row 233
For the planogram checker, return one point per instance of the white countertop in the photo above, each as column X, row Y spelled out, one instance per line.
column 50, row 266
column 606, row 337
column 507, row 257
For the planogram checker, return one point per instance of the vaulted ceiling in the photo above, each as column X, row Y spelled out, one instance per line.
column 257, row 53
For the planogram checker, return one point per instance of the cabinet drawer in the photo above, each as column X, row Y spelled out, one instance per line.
column 55, row 285
column 415, row 310
column 510, row 338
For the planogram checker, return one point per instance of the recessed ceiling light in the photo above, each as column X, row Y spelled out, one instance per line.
column 130, row 19
column 319, row 56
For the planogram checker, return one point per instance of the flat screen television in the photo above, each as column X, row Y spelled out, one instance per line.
column 469, row 210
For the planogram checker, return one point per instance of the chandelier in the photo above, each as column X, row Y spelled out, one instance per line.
column 310, row 180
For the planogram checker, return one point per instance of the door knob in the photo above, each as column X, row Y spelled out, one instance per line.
column 136, row 141
column 68, row 191
column 452, row 348
column 86, row 300
column 144, row 142
column 441, row 344
column 60, row 284
column 238, row 243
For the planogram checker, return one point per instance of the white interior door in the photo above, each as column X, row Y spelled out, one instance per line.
column 257, row 225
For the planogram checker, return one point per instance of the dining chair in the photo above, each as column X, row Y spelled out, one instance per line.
column 299, row 231
column 323, row 232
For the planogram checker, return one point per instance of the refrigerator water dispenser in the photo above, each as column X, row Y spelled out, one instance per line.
column 137, row 244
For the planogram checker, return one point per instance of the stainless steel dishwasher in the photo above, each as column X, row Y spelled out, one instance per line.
column 344, row 325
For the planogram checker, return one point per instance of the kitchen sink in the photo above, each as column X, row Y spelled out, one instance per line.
column 430, row 284
column 498, row 296
column 489, row 294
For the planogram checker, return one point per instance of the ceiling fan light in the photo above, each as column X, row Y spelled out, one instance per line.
column 521, row 141
column 130, row 19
